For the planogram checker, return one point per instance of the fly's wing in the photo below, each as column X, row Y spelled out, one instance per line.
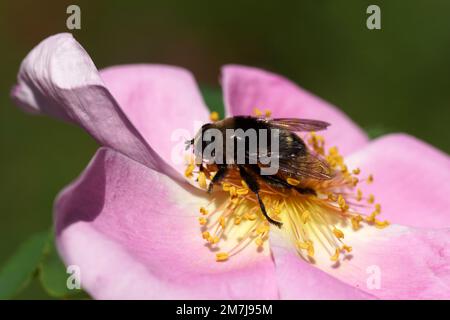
column 307, row 166
column 296, row 125
column 295, row 160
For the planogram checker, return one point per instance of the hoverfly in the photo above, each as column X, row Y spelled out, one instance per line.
column 295, row 160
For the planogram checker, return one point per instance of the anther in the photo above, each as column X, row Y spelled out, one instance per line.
column 202, row 221
column 202, row 180
column 338, row 233
column 214, row 116
column 257, row 112
column 222, row 256
column 293, row 182
column 335, row 256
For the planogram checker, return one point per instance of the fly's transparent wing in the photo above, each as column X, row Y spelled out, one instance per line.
column 296, row 125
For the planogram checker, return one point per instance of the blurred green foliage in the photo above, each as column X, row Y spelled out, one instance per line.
column 394, row 79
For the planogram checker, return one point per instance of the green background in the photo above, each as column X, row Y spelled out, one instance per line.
column 394, row 79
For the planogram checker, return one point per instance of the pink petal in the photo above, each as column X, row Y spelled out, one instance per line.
column 246, row 88
column 134, row 234
column 162, row 102
column 393, row 263
column 413, row 263
column 411, row 180
column 298, row 279
column 58, row 78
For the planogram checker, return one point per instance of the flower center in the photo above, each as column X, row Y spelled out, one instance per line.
column 233, row 219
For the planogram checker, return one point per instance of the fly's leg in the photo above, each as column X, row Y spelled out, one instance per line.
column 220, row 174
column 254, row 187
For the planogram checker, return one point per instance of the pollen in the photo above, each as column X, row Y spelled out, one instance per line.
column 338, row 233
column 381, row 224
column 202, row 221
column 189, row 170
column 242, row 191
column 259, row 242
column 206, row 235
column 347, row 248
column 214, row 116
column 359, row 195
column 293, row 182
column 233, row 222
column 257, row 112
column 335, row 256
column 356, row 222
column 222, row 256
column 306, row 216
column 267, row 113
column 202, row 180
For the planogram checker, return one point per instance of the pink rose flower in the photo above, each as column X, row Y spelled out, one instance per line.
column 130, row 220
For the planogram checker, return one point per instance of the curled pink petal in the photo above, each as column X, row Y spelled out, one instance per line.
column 411, row 180
column 58, row 78
column 163, row 103
column 246, row 88
column 134, row 234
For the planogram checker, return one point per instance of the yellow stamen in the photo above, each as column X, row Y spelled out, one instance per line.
column 293, row 182
column 202, row 180
column 335, row 256
column 347, row 248
column 233, row 191
column 188, row 172
column 381, row 224
column 259, row 242
column 338, row 233
column 371, row 217
column 262, row 229
column 268, row 113
column 257, row 112
column 222, row 222
column 370, row 179
column 214, row 116
column 356, row 222
column 206, row 235
column 306, row 216
column 378, row 207
column 226, row 186
column 310, row 249
column 213, row 240
column 342, row 204
column 222, row 256
column 241, row 191
column 359, row 195
column 234, row 218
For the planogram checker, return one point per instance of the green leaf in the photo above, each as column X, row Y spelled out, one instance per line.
column 53, row 275
column 213, row 98
column 16, row 274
